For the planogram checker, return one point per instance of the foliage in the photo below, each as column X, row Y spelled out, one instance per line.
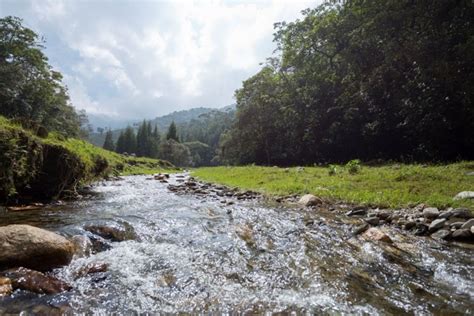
column 172, row 132
column 127, row 142
column 332, row 170
column 176, row 153
column 353, row 166
column 384, row 186
column 30, row 91
column 46, row 167
column 148, row 140
column 369, row 79
column 201, row 153
column 109, row 142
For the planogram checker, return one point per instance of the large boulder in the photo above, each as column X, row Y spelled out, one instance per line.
column 32, row 247
column 309, row 200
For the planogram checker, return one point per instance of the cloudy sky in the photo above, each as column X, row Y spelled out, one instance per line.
column 141, row 59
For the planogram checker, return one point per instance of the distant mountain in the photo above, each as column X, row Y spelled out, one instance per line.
column 163, row 122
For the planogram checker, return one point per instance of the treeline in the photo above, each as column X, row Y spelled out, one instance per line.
column 147, row 142
column 379, row 79
column 31, row 92
column 193, row 143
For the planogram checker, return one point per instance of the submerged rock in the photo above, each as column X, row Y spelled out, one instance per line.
column 5, row 286
column 117, row 231
column 34, row 281
column 32, row 247
column 309, row 200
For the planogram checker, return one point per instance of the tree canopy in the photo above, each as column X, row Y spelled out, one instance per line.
column 362, row 79
column 30, row 90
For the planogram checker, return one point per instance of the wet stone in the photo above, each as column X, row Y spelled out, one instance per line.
column 441, row 234
column 421, row 229
column 34, row 281
column 117, row 231
column 374, row 221
column 376, row 234
column 357, row 212
column 360, row 229
column 437, row 224
column 5, row 286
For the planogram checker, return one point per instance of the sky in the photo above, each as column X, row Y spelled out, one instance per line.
column 142, row 59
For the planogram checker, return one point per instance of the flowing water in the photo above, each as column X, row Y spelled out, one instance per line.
column 196, row 254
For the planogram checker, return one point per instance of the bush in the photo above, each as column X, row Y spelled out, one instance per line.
column 332, row 170
column 353, row 166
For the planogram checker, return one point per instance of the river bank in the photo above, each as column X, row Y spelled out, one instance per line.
column 389, row 186
column 39, row 166
column 204, row 248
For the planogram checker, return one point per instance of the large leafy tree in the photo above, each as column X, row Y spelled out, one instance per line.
column 368, row 79
column 30, row 90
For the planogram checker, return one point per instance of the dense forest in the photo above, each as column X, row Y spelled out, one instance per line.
column 363, row 79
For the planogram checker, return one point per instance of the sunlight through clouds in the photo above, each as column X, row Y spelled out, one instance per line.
column 148, row 58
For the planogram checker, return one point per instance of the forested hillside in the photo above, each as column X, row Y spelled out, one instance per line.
column 191, row 140
column 364, row 79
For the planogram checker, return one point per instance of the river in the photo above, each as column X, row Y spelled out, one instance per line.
column 195, row 254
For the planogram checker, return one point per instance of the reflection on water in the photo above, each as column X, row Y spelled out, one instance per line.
column 200, row 255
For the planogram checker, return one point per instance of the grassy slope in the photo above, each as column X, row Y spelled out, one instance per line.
column 22, row 149
column 386, row 186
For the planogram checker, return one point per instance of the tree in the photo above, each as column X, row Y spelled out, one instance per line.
column 172, row 132
column 109, row 142
column 30, row 91
column 361, row 79
column 129, row 141
column 178, row 154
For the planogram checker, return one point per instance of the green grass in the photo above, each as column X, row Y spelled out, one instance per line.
column 386, row 186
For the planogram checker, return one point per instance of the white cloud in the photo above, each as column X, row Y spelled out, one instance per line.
column 142, row 59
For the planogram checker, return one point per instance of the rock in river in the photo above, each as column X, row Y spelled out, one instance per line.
column 117, row 231
column 34, row 281
column 309, row 200
column 376, row 234
column 5, row 286
column 436, row 224
column 32, row 247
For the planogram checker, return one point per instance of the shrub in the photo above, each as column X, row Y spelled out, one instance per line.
column 353, row 166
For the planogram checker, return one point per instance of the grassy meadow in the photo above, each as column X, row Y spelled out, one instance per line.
column 394, row 185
